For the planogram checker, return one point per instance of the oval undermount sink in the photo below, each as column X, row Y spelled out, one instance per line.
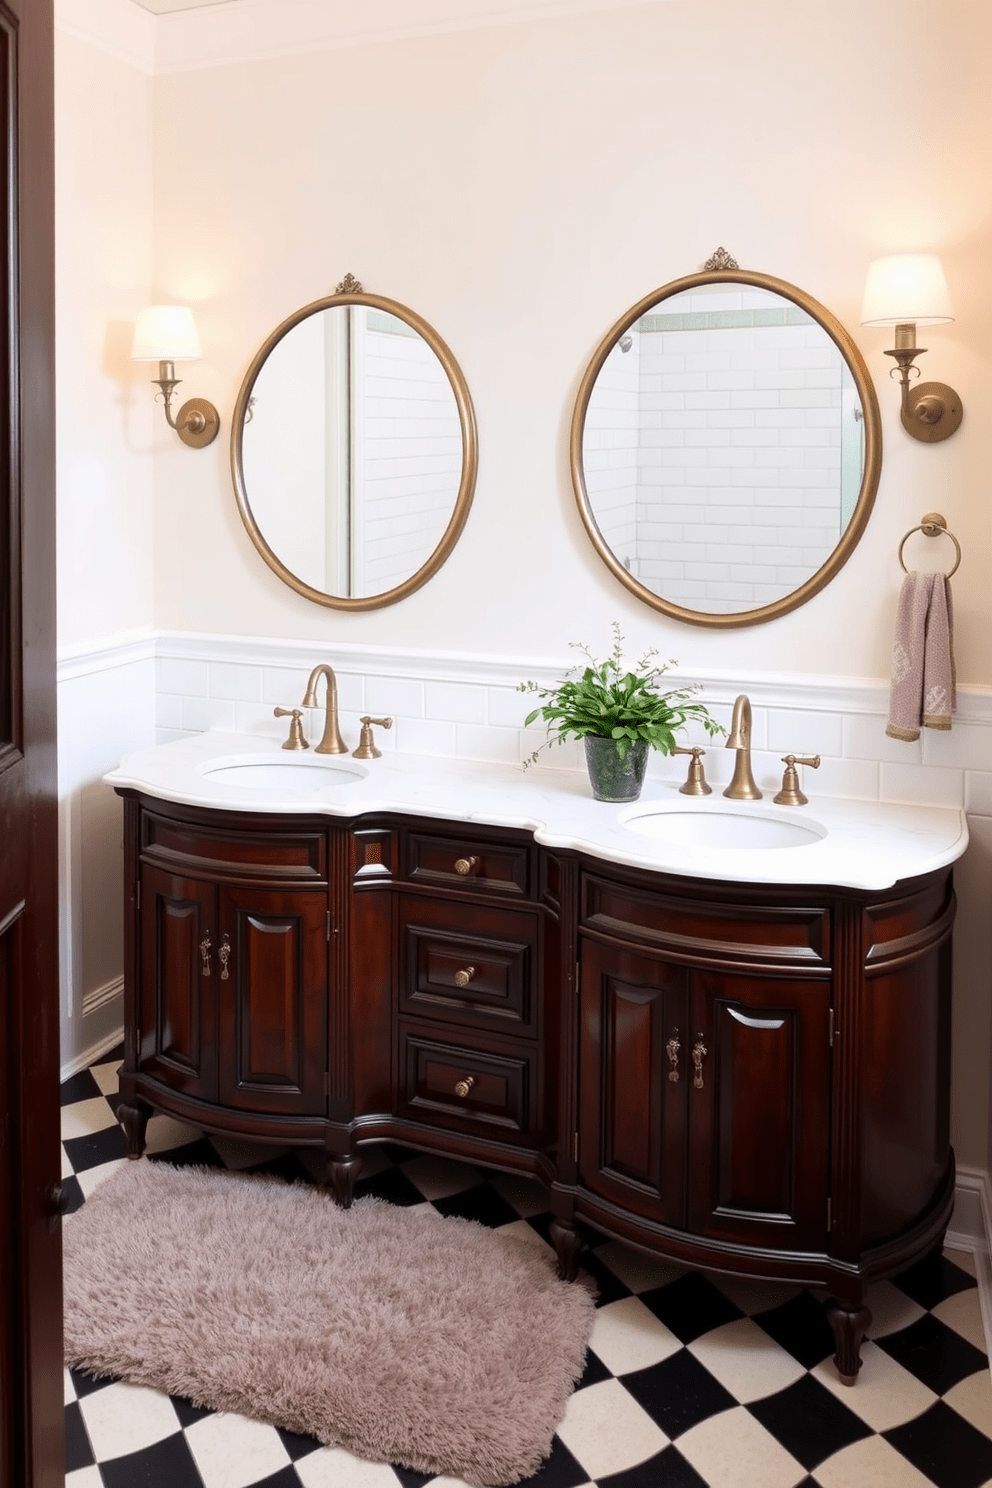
column 743, row 830
column 291, row 776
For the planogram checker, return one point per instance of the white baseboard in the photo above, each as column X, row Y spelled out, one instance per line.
column 92, row 1055
column 100, row 996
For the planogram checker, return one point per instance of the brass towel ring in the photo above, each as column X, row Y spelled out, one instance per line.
column 933, row 525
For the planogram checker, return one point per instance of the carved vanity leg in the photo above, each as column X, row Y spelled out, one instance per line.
column 341, row 1175
column 567, row 1244
column 134, row 1120
column 850, row 1322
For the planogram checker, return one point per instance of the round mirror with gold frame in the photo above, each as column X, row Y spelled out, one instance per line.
column 726, row 448
column 354, row 450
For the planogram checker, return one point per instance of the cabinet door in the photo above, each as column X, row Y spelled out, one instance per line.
column 759, row 1109
column 272, row 998
column 176, row 1017
column 633, row 1082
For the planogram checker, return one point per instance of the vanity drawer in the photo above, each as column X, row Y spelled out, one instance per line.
column 707, row 927
column 468, row 964
column 275, row 854
column 474, row 863
column 456, row 1084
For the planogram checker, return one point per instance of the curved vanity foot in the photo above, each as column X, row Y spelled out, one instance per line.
column 134, row 1120
column 850, row 1323
column 567, row 1244
column 341, row 1175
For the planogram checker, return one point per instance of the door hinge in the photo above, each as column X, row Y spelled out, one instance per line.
column 137, row 894
column 831, row 1028
column 328, row 927
column 578, row 976
column 575, row 1148
column 829, row 1215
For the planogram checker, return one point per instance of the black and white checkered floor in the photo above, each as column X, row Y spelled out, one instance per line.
column 690, row 1381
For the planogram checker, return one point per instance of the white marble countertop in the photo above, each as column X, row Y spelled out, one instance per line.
column 864, row 844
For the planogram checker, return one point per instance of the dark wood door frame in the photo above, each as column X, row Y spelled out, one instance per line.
column 31, row 1450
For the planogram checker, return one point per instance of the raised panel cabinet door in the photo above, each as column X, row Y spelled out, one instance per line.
column 177, row 1010
column 759, row 1109
column 633, row 1082
column 272, row 989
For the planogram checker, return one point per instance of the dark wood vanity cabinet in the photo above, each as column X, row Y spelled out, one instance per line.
column 743, row 1077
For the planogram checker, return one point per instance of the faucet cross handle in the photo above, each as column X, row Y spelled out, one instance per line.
column 296, row 739
column 695, row 784
column 367, row 747
column 790, row 794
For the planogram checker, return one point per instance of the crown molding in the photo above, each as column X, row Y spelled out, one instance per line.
column 117, row 27
column 257, row 30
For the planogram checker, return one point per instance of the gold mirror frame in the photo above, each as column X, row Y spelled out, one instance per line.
column 869, row 479
column 470, row 452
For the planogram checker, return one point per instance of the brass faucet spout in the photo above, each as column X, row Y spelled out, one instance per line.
column 742, row 786
column 331, row 741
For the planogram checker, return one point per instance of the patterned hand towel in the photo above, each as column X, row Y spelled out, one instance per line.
column 923, row 684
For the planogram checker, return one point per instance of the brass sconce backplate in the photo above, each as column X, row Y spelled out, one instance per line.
column 197, row 423
column 931, row 411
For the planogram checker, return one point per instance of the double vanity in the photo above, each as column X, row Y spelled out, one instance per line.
column 716, row 1030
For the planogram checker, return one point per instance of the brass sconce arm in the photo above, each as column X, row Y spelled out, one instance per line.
column 930, row 411
column 198, row 422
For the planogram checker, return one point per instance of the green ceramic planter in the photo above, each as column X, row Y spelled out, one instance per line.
column 613, row 778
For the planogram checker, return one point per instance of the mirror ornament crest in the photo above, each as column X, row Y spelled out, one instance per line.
column 725, row 471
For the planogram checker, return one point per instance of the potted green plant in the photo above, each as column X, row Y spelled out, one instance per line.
column 619, row 712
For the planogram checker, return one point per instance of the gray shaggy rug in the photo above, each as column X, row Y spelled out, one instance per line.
column 405, row 1337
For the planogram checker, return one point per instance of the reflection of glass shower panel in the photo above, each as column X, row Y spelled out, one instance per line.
column 337, row 452
column 852, row 446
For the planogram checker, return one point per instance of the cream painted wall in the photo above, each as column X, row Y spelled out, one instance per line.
column 520, row 187
column 104, row 443
column 104, row 430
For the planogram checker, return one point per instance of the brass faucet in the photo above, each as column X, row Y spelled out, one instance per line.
column 331, row 741
column 742, row 787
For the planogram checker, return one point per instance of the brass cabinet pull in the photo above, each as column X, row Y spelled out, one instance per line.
column 464, row 1086
column 205, row 953
column 698, row 1055
column 465, row 865
column 462, row 978
column 224, row 955
column 672, row 1050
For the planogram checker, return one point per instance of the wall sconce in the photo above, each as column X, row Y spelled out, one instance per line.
column 167, row 334
column 906, row 290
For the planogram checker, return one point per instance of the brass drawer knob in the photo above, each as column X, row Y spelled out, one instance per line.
column 462, row 978
column 464, row 1086
column 465, row 865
